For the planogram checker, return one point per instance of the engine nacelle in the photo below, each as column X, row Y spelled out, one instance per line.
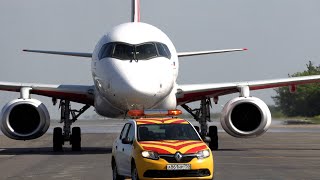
column 245, row 117
column 24, row 119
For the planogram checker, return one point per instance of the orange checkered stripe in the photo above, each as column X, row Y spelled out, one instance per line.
column 161, row 121
column 172, row 146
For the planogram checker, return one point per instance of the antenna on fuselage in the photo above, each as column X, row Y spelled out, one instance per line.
column 135, row 14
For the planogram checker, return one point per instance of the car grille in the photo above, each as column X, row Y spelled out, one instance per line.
column 176, row 173
column 171, row 159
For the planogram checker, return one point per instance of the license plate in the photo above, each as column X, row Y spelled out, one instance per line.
column 178, row 166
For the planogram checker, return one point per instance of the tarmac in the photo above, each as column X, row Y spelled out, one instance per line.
column 284, row 152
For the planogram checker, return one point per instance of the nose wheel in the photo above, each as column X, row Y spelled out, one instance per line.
column 58, row 140
column 62, row 135
column 202, row 115
column 75, row 139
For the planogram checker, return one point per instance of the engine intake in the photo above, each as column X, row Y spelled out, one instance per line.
column 245, row 117
column 24, row 119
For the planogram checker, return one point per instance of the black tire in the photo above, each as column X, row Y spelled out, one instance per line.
column 197, row 129
column 134, row 172
column 75, row 139
column 213, row 134
column 115, row 175
column 57, row 139
column 213, row 131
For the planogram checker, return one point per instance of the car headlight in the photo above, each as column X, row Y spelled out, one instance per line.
column 203, row 154
column 150, row 155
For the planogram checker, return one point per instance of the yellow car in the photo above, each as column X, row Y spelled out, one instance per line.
column 161, row 148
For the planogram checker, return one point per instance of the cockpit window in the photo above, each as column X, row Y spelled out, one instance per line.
column 163, row 50
column 124, row 51
column 106, row 50
column 146, row 51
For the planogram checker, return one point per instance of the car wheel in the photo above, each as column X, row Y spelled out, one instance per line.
column 115, row 175
column 134, row 172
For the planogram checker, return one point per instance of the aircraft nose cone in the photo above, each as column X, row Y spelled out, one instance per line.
column 143, row 84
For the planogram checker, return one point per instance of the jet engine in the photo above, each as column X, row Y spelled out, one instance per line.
column 24, row 119
column 245, row 117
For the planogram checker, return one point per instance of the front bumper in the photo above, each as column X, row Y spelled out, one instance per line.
column 157, row 169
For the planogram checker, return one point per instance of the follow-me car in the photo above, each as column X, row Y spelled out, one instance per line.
column 150, row 147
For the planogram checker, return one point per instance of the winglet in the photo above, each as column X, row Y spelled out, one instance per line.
column 135, row 16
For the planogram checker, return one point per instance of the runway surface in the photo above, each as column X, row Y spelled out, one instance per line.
column 284, row 152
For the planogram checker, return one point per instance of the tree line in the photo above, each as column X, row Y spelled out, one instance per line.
column 305, row 101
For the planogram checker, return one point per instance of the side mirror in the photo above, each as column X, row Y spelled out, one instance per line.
column 126, row 141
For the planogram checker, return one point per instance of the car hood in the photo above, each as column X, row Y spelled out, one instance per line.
column 173, row 146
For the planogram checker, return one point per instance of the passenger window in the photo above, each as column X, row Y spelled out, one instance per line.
column 124, row 131
column 146, row 51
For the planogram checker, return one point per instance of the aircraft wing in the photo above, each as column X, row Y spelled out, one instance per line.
column 197, row 53
column 189, row 93
column 76, row 93
column 77, row 54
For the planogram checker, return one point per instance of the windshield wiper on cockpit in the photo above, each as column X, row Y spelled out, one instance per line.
column 133, row 54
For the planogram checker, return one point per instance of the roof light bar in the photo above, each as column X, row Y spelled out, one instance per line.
column 136, row 113
column 152, row 113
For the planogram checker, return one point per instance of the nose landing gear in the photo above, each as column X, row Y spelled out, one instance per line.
column 60, row 136
column 202, row 115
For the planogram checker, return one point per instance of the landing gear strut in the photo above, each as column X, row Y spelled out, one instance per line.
column 67, row 134
column 202, row 115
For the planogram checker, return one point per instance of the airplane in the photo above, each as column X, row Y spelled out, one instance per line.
column 134, row 67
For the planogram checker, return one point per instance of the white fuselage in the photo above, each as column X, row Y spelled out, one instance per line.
column 134, row 66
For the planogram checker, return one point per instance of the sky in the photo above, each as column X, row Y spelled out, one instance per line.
column 282, row 36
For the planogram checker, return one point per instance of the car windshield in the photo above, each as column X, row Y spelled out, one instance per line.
column 156, row 132
column 144, row 51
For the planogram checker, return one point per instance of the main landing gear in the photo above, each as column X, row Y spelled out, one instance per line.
column 202, row 115
column 60, row 136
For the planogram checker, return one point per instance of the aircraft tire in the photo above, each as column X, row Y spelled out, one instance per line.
column 213, row 134
column 75, row 139
column 197, row 129
column 57, row 139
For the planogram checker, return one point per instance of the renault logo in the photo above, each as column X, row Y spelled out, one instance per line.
column 178, row 156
